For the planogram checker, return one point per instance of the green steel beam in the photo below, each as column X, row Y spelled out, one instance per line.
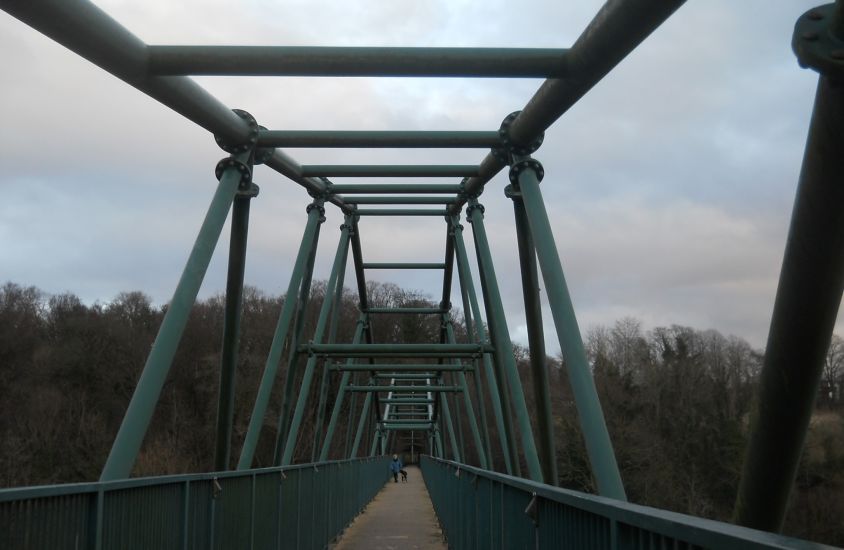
column 501, row 339
column 389, row 171
column 132, row 430
column 400, row 265
column 262, row 400
column 425, row 367
column 169, row 60
column 449, row 426
column 342, row 246
column 231, row 329
column 404, row 188
column 405, row 389
column 373, row 139
column 364, row 416
column 504, row 433
column 400, row 212
column 590, row 414
column 406, row 426
column 536, row 338
column 341, row 394
column 394, row 350
column 399, row 199
column 405, row 376
column 807, row 302
column 405, row 401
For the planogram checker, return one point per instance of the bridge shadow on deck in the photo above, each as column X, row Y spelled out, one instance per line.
column 400, row 516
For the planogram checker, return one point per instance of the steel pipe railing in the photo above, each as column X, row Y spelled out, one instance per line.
column 385, row 139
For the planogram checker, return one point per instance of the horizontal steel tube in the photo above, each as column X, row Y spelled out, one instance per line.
column 398, row 265
column 348, row 350
column 405, row 389
column 404, row 426
column 407, row 310
column 405, row 401
column 399, row 212
column 357, row 61
column 400, row 367
column 390, row 170
column 384, row 139
column 617, row 29
column 407, row 188
column 406, row 376
column 399, row 200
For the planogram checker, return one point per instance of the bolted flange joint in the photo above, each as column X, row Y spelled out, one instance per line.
column 471, row 208
column 263, row 154
column 526, row 164
column 246, row 145
column 818, row 43
column 319, row 207
column 513, row 192
column 244, row 169
column 504, row 153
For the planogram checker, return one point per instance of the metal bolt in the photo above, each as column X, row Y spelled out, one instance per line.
column 815, row 15
column 837, row 54
column 811, row 35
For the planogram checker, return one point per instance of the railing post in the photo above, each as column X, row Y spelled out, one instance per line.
column 231, row 325
column 308, row 244
column 809, row 291
column 501, row 338
column 234, row 174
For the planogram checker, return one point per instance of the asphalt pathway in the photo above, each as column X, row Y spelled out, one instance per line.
column 400, row 517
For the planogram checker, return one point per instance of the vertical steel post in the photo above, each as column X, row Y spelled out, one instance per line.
column 364, row 416
column 598, row 445
column 265, row 388
column 132, row 430
column 496, row 395
column 808, row 297
column 341, row 394
column 304, row 389
column 536, row 337
column 449, row 426
column 501, row 337
column 231, row 326
column 350, row 418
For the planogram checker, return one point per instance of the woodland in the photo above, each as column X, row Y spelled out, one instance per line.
column 676, row 399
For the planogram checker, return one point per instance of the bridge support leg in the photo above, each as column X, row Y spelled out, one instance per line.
column 364, row 416
column 536, row 338
column 322, row 321
column 496, row 395
column 259, row 410
column 598, row 445
column 231, row 328
column 132, row 430
column 501, row 338
column 808, row 297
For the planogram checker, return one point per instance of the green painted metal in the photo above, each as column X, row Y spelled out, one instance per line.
column 536, row 339
column 806, row 306
column 364, row 416
column 406, row 188
column 406, row 426
column 468, row 288
column 400, row 199
column 406, row 400
column 302, row 506
column 322, row 321
column 423, row 376
column 357, row 61
column 231, row 329
column 406, row 389
column 482, row 509
column 402, row 367
column 390, row 350
column 262, row 399
column 129, row 438
column 406, row 265
column 373, row 139
column 403, row 212
column 501, row 340
column 390, row 170
column 590, row 414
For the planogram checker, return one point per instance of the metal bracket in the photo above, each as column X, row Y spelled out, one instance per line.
column 531, row 509
column 816, row 43
column 245, row 146
column 471, row 208
column 244, row 169
column 513, row 192
column 216, row 489
column 321, row 210
column 505, row 152
column 523, row 165
column 251, row 191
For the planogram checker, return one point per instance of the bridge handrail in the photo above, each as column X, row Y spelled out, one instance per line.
column 483, row 509
column 297, row 506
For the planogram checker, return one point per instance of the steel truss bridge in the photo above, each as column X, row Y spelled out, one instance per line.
column 407, row 386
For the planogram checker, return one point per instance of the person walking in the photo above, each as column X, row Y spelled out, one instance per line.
column 395, row 467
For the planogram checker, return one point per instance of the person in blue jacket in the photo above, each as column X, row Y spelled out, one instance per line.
column 395, row 467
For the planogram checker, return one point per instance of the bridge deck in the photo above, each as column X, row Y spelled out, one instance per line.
column 400, row 516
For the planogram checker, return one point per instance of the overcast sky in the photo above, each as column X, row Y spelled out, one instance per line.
column 670, row 184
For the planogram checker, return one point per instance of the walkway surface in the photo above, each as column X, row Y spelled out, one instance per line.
column 400, row 516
